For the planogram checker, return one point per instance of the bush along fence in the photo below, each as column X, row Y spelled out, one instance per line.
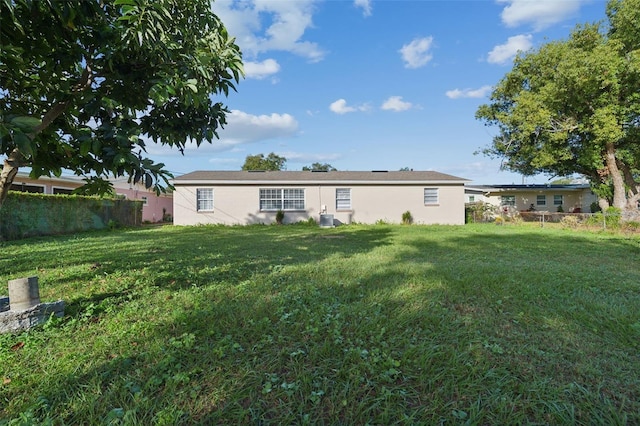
column 26, row 215
column 612, row 218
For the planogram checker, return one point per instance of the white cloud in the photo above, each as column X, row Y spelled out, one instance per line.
column 261, row 70
column 416, row 54
column 340, row 107
column 365, row 5
column 241, row 128
column 469, row 93
column 539, row 13
column 265, row 25
column 504, row 53
column 300, row 157
column 395, row 103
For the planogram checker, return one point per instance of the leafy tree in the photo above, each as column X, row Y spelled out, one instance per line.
column 83, row 84
column 562, row 181
column 260, row 162
column 320, row 167
column 574, row 107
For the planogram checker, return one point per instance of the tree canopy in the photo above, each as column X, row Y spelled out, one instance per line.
column 84, row 83
column 271, row 162
column 320, row 167
column 573, row 106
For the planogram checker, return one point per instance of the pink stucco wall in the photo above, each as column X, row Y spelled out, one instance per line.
column 155, row 207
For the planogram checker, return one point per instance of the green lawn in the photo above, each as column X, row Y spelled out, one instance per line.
column 480, row 324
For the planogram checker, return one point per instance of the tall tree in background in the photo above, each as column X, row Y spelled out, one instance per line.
column 320, row 167
column 83, row 83
column 271, row 162
column 574, row 107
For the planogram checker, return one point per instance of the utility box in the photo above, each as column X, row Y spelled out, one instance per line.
column 326, row 221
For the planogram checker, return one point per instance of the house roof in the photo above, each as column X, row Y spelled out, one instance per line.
column 382, row 177
column 527, row 187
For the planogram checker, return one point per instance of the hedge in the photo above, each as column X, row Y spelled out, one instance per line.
column 26, row 215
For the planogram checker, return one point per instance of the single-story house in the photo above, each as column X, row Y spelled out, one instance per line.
column 570, row 198
column 154, row 208
column 249, row 197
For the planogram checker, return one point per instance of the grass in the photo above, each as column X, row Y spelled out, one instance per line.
column 354, row 325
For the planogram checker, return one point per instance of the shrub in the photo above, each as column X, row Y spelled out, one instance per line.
column 632, row 226
column 279, row 217
column 612, row 217
column 407, row 219
column 560, row 209
column 499, row 220
column 569, row 222
column 595, row 207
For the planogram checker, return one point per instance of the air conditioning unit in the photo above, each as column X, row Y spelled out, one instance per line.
column 326, row 220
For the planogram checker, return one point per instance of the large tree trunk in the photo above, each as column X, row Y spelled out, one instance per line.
column 12, row 163
column 633, row 187
column 619, row 192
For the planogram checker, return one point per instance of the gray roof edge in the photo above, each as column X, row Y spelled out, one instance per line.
column 300, row 177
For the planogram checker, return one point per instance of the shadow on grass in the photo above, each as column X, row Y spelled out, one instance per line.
column 387, row 324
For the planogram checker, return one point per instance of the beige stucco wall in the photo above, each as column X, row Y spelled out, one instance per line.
column 240, row 204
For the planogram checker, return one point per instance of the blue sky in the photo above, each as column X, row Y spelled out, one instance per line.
column 375, row 85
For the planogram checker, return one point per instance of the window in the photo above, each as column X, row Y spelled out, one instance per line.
column 282, row 199
column 508, row 200
column 145, row 200
column 64, row 191
column 557, row 200
column 343, row 198
column 24, row 187
column 472, row 198
column 430, row 196
column 541, row 200
column 205, row 199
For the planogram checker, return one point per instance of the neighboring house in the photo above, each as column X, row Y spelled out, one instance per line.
column 248, row 197
column 154, row 208
column 573, row 198
column 45, row 185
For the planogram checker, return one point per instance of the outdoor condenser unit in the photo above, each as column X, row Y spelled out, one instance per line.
column 326, row 220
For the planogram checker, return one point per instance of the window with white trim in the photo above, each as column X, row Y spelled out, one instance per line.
column 430, row 196
column 343, row 198
column 60, row 190
column 557, row 200
column 541, row 200
column 508, row 200
column 286, row 199
column 204, row 198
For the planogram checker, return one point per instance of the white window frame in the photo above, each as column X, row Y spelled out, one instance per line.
column 556, row 198
column 343, row 199
column 285, row 199
column 541, row 200
column 431, row 196
column 204, row 199
column 508, row 200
